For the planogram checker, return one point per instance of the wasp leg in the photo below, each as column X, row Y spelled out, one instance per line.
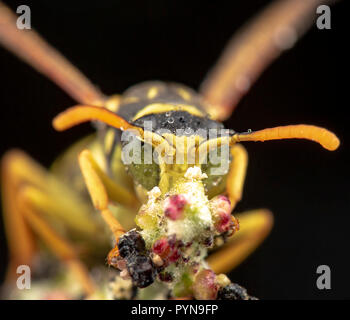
column 27, row 191
column 255, row 225
column 100, row 188
column 62, row 249
column 236, row 176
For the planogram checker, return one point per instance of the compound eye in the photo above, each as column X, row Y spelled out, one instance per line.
column 216, row 167
column 144, row 173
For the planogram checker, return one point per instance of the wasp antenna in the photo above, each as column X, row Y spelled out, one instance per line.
column 205, row 147
column 81, row 113
column 324, row 137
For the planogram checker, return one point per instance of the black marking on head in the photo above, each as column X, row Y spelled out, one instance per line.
column 180, row 123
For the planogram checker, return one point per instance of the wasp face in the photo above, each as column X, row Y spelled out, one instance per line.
column 167, row 162
column 173, row 125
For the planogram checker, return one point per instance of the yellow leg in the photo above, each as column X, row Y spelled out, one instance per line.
column 98, row 185
column 29, row 194
column 236, row 176
column 103, row 186
column 61, row 248
column 255, row 225
column 19, row 236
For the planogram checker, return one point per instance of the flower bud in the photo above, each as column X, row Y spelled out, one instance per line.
column 205, row 286
column 221, row 211
column 174, row 206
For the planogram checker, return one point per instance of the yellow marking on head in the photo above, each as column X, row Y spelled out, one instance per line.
column 109, row 139
column 130, row 99
column 184, row 94
column 113, row 103
column 152, row 93
column 164, row 107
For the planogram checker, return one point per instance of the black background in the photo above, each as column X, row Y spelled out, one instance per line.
column 120, row 43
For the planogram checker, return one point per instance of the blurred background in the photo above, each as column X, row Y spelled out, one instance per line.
column 121, row 43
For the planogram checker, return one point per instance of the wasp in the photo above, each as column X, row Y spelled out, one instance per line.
column 162, row 214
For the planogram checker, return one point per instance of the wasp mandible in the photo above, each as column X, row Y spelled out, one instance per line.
column 163, row 215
